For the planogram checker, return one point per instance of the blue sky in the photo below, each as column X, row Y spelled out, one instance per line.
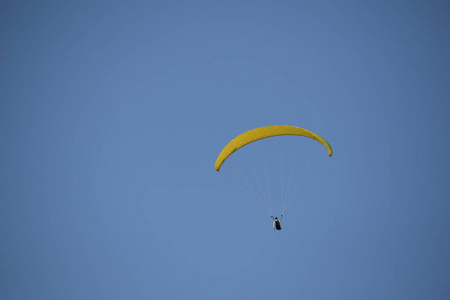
column 112, row 115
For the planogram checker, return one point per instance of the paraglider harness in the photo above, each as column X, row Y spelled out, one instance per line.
column 277, row 222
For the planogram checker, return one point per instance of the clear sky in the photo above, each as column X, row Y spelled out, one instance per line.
column 112, row 114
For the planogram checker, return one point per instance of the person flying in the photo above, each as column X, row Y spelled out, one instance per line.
column 276, row 223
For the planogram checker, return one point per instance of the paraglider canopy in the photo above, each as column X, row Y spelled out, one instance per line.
column 265, row 132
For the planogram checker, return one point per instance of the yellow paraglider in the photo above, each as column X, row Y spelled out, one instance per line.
column 265, row 132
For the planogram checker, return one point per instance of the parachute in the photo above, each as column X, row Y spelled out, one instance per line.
column 262, row 133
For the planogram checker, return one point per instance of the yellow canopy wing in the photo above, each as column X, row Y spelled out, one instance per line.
column 265, row 132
